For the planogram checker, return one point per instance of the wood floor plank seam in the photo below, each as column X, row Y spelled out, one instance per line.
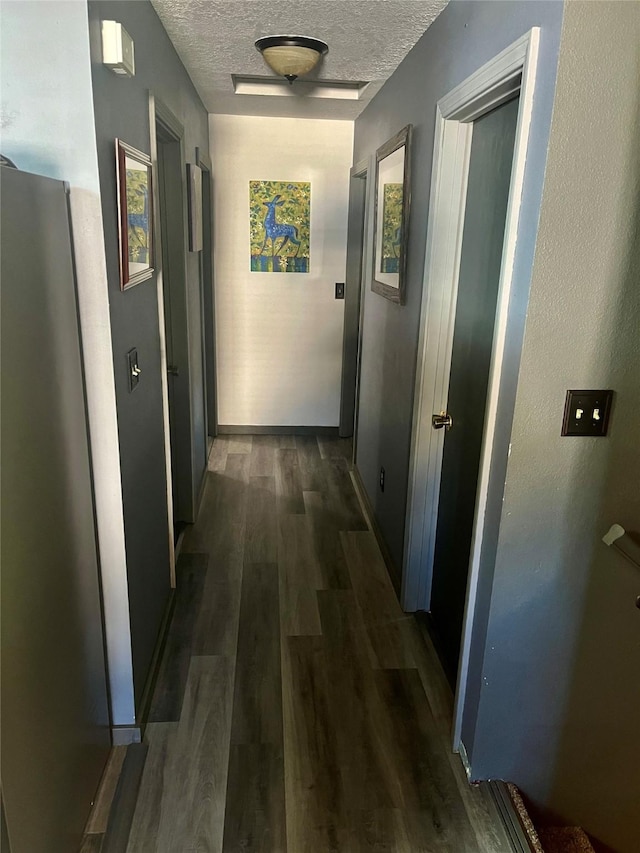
column 122, row 814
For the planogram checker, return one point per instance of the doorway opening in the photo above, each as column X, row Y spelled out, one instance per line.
column 481, row 136
column 172, row 231
column 354, row 304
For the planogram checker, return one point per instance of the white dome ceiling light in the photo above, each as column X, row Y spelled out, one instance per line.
column 291, row 56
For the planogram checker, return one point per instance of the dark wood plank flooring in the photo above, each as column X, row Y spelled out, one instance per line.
column 297, row 709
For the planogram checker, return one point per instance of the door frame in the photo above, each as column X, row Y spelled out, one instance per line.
column 164, row 382
column 203, row 160
column 511, row 72
column 361, row 171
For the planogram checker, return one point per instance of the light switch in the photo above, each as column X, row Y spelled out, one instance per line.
column 339, row 289
column 133, row 369
column 587, row 413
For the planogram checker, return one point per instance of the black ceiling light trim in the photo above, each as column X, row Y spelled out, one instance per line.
column 319, row 46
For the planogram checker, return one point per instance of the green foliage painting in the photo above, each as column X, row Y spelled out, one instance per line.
column 279, row 217
column 391, row 227
column 138, row 215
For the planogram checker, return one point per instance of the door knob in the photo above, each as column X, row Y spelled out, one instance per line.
column 172, row 370
column 441, row 420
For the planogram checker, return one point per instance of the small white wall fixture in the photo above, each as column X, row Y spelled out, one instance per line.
column 513, row 71
column 118, row 49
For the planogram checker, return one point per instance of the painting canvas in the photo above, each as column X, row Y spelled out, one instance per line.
column 138, row 214
column 391, row 228
column 279, row 216
column 135, row 215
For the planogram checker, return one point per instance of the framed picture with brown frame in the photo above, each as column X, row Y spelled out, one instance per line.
column 391, row 216
column 135, row 206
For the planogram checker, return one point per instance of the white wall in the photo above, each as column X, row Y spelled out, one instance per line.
column 279, row 335
column 48, row 128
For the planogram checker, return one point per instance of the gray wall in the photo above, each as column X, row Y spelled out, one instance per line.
column 554, row 693
column 48, row 128
column 560, row 693
column 122, row 110
column 463, row 37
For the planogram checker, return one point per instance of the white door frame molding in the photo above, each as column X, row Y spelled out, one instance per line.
column 512, row 71
column 163, row 340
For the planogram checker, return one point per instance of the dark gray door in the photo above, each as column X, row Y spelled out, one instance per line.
column 352, row 305
column 482, row 242
column 208, row 305
column 55, row 723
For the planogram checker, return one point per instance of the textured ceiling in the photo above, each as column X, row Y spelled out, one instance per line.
column 367, row 41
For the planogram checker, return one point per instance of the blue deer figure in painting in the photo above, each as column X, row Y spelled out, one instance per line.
column 397, row 237
column 139, row 230
column 274, row 230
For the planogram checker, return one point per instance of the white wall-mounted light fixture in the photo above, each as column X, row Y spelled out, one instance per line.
column 291, row 56
column 117, row 49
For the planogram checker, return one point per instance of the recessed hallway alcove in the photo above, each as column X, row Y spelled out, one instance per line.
column 297, row 708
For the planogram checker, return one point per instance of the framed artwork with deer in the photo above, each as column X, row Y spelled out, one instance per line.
column 279, row 225
column 135, row 205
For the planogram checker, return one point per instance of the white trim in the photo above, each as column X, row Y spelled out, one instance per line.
column 511, row 71
column 163, row 341
column 495, row 82
column 462, row 752
column 102, row 412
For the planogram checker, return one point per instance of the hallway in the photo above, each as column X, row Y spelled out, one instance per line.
column 297, row 708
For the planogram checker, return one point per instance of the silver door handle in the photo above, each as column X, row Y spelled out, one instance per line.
column 441, row 420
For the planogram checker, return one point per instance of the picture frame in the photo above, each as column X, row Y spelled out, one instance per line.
column 392, row 206
column 135, row 214
column 194, row 193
